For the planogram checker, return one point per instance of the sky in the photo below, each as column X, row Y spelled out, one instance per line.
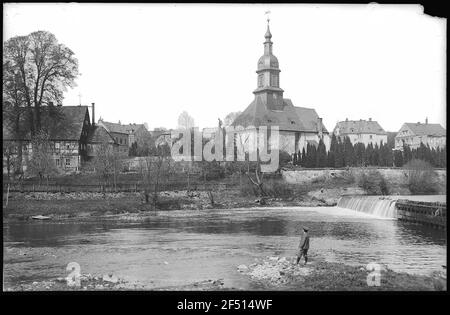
column 149, row 62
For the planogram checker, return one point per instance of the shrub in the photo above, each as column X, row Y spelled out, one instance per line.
column 212, row 170
column 247, row 188
column 278, row 188
column 422, row 179
column 284, row 158
column 319, row 179
column 373, row 183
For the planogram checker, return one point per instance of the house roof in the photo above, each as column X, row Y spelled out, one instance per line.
column 114, row 127
column 359, row 126
column 290, row 118
column 68, row 126
column 120, row 128
column 98, row 134
column 426, row 129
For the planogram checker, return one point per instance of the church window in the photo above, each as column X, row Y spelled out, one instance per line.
column 260, row 80
column 274, row 80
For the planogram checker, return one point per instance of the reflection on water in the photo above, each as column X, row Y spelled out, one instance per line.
column 170, row 249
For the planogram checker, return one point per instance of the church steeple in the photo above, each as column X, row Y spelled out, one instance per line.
column 268, row 42
column 268, row 84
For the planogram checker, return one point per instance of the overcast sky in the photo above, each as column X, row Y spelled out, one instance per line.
column 149, row 62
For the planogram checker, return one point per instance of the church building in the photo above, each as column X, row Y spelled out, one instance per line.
column 298, row 126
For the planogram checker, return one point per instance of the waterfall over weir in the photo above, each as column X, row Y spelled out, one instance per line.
column 377, row 205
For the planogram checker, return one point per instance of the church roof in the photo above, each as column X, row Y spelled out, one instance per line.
column 359, row 126
column 290, row 118
column 420, row 129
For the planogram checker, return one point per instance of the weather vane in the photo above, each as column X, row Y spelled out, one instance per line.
column 267, row 13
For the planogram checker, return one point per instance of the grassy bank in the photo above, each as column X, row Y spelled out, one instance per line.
column 276, row 273
column 57, row 206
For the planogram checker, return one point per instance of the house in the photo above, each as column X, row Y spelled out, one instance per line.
column 97, row 138
column 361, row 131
column 412, row 134
column 297, row 125
column 72, row 138
column 136, row 132
column 68, row 138
column 125, row 134
column 119, row 133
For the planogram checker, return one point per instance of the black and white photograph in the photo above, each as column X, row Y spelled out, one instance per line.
column 224, row 147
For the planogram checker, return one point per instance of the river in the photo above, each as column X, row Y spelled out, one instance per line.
column 178, row 247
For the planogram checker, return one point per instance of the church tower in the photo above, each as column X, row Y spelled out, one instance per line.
column 268, row 85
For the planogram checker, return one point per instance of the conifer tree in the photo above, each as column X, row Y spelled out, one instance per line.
column 321, row 155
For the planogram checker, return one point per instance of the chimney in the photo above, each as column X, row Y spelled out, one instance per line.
column 50, row 103
column 93, row 114
column 426, row 120
column 370, row 119
column 346, row 119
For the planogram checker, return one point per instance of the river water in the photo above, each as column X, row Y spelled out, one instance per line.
column 178, row 247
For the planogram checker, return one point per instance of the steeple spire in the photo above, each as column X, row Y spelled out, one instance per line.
column 268, row 35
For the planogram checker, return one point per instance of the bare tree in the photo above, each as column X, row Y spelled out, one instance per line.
column 155, row 169
column 107, row 164
column 229, row 119
column 9, row 157
column 185, row 121
column 251, row 167
column 41, row 162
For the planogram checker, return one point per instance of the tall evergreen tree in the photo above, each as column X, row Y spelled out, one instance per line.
column 333, row 151
column 339, row 154
column 407, row 154
column 368, row 159
column 389, row 159
column 398, row 158
column 376, row 155
column 348, row 152
column 303, row 158
column 313, row 156
column 321, row 154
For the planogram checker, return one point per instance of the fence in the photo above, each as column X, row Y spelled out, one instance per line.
column 56, row 188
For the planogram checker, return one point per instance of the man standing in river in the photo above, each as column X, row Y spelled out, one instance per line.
column 303, row 246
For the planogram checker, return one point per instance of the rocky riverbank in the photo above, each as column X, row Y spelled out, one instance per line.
column 281, row 273
column 272, row 273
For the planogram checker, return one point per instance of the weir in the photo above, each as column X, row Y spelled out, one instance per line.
column 422, row 212
column 377, row 205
